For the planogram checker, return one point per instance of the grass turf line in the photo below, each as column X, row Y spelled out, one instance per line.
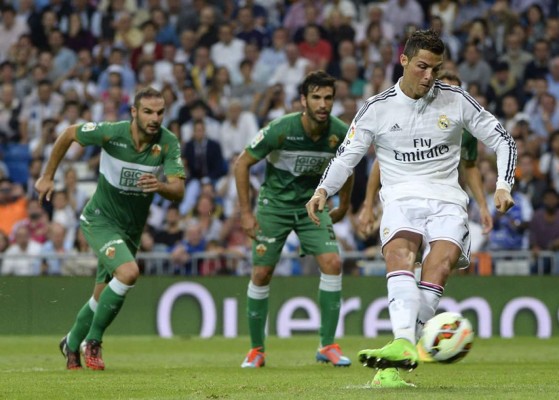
column 142, row 367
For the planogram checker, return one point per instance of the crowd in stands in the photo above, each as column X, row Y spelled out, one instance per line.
column 228, row 67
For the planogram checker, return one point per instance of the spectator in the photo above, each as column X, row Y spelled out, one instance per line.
column 166, row 32
column 65, row 215
column 53, row 251
column 117, row 64
column 37, row 221
column 10, row 107
column 375, row 13
column 149, row 50
column 248, row 90
column 300, row 14
column 346, row 48
column 528, row 182
column 172, row 231
column 273, row 104
column 549, row 162
column 247, row 29
column 77, row 197
column 316, row 50
column 474, row 68
column 192, row 243
column 446, row 10
column 21, row 255
column 271, row 57
column 553, row 77
column 351, row 74
column 544, row 229
column 13, row 205
column 11, row 29
column 200, row 111
column 291, row 73
column 126, row 36
column 43, row 104
column 218, row 94
column 401, row 13
column 503, row 83
column 203, row 70
column 82, row 261
column 515, row 56
column 78, row 37
column 82, row 78
column 546, row 119
column 377, row 82
column 237, row 130
column 203, row 158
column 185, row 52
column 206, row 216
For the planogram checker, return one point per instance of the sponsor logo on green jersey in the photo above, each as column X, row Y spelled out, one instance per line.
column 309, row 164
column 129, row 176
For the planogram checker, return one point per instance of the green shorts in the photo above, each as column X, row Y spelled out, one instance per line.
column 276, row 226
column 112, row 246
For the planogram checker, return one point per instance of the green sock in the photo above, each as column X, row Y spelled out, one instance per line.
column 81, row 327
column 257, row 312
column 329, row 315
column 107, row 309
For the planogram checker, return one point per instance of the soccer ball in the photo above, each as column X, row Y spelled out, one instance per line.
column 447, row 337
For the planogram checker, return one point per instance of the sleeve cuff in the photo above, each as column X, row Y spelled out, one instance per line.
column 503, row 185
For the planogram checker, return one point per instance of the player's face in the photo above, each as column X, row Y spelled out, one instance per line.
column 318, row 103
column 149, row 115
column 420, row 72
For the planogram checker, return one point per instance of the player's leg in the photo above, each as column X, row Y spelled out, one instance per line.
column 115, row 251
column 266, row 252
column 70, row 344
column 320, row 241
column 449, row 244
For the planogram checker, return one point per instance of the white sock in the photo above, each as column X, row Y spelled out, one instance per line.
column 118, row 287
column 93, row 304
column 403, row 306
column 258, row 292
column 431, row 294
column 330, row 283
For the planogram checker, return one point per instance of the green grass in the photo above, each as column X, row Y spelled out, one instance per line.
column 141, row 367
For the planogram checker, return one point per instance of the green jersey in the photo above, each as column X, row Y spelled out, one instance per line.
column 117, row 197
column 294, row 163
column 469, row 147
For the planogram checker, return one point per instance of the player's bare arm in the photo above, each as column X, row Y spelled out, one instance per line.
column 366, row 218
column 242, row 180
column 473, row 180
column 45, row 184
column 172, row 190
column 337, row 213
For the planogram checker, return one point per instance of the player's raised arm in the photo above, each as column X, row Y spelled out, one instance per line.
column 45, row 184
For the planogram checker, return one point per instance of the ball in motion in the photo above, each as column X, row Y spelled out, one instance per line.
column 447, row 337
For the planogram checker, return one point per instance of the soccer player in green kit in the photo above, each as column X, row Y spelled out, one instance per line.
column 297, row 148
column 133, row 156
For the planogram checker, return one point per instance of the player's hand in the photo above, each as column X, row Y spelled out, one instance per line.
column 316, row 204
column 486, row 220
column 366, row 221
column 148, row 183
column 44, row 186
column 503, row 200
column 249, row 224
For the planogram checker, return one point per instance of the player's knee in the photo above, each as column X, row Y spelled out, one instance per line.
column 331, row 264
column 261, row 276
column 401, row 257
column 128, row 273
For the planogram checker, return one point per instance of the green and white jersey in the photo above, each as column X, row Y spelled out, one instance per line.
column 117, row 197
column 468, row 151
column 294, row 163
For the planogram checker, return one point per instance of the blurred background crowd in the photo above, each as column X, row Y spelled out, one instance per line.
column 228, row 67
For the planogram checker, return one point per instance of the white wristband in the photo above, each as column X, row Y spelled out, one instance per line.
column 503, row 185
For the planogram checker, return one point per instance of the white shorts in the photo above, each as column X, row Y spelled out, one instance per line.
column 432, row 219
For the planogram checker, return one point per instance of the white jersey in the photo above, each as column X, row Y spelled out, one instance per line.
column 417, row 143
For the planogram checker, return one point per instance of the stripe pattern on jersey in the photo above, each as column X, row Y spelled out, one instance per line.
column 443, row 86
column 390, row 92
column 509, row 175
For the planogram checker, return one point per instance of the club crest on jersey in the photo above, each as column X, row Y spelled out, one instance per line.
column 261, row 249
column 385, row 232
column 89, row 126
column 333, row 141
column 155, row 150
column 444, row 122
column 110, row 252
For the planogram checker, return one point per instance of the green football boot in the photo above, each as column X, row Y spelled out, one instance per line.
column 399, row 353
column 389, row 378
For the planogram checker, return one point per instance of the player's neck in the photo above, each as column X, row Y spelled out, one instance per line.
column 139, row 138
column 313, row 129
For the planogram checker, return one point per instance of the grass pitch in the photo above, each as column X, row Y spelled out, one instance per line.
column 141, row 367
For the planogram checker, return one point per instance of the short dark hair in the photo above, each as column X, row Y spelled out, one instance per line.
column 423, row 40
column 317, row 79
column 146, row 93
column 450, row 76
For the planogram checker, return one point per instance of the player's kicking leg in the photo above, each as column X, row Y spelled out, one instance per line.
column 399, row 353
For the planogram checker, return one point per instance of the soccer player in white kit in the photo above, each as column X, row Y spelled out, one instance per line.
column 416, row 128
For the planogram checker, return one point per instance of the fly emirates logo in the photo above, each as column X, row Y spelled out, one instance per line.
column 423, row 151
